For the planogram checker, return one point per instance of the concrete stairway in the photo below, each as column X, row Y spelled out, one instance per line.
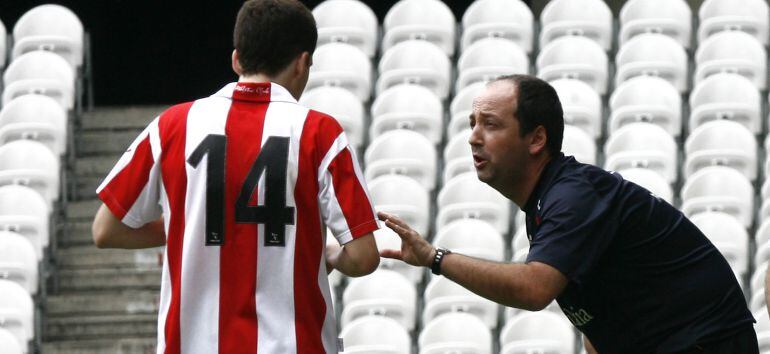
column 100, row 301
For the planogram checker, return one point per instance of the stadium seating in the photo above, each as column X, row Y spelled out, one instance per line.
column 652, row 54
column 726, row 96
column 461, row 108
column 411, row 107
column 511, row 20
column 375, row 335
column 758, row 278
column 402, row 152
column 18, row 262
column 23, row 210
column 471, row 237
column 343, row 65
column 35, row 117
column 464, row 196
column 31, row 164
column 646, row 99
column 387, row 239
column 537, row 332
column 3, row 44
column 520, row 246
column 669, row 17
column 404, row 197
column 721, row 143
column 763, row 329
column 9, row 343
column 51, row 28
column 642, row 145
column 582, row 106
column 407, row 20
column 728, row 235
column 574, row 57
column 588, row 18
column 347, row 21
column 341, row 104
column 415, row 62
column 489, row 58
column 17, row 312
column 735, row 52
column 651, row 180
column 455, row 333
column 382, row 293
column 458, row 158
column 578, row 143
column 443, row 296
column 719, row 188
column 750, row 16
column 40, row 72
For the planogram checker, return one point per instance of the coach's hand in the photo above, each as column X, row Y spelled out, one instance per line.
column 414, row 249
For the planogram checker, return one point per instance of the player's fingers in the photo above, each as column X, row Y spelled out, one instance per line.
column 394, row 254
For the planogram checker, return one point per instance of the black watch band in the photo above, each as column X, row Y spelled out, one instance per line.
column 435, row 267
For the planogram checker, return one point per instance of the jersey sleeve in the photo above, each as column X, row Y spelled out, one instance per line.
column 575, row 230
column 131, row 190
column 346, row 207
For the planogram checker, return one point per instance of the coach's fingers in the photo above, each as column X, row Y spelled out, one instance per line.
column 405, row 234
column 395, row 219
column 394, row 254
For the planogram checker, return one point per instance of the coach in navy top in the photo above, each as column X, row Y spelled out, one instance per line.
column 628, row 269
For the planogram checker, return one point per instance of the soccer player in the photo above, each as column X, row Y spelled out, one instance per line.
column 628, row 269
column 240, row 187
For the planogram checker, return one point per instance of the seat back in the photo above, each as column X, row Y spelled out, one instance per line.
column 669, row 17
column 9, row 343
column 471, row 237
column 750, row 16
column 646, row 99
column 719, row 188
column 50, row 27
column 40, row 72
column 589, row 18
column 416, row 62
column 726, row 96
column 382, row 293
column 343, row 65
column 643, row 145
column 402, row 196
column 455, row 333
column 728, row 235
column 376, row 335
column 574, row 57
column 17, row 311
column 24, row 211
column 653, row 54
column 32, row 164
column 734, row 52
column 581, row 104
column 407, row 20
column 347, row 21
column 18, row 262
column 650, row 180
column 35, row 117
column 410, row 107
column 464, row 197
column 402, row 152
column 579, row 144
column 537, row 332
column 445, row 296
column 721, row 143
column 512, row 20
column 488, row 59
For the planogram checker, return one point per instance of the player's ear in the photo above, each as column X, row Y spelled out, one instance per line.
column 236, row 63
column 303, row 63
column 538, row 139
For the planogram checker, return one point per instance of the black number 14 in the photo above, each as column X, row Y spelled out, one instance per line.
column 274, row 214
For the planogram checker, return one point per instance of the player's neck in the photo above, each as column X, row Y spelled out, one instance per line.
column 257, row 78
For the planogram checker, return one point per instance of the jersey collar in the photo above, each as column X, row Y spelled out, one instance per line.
column 545, row 178
column 256, row 92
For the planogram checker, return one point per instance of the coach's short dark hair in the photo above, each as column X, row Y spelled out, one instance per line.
column 269, row 34
column 538, row 104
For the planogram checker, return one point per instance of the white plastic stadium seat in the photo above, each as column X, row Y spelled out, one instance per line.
column 734, row 52
column 473, row 238
column 347, row 21
column 750, row 16
column 650, row 180
column 576, row 58
column 490, row 58
column 512, row 20
column 669, row 17
column 728, row 235
column 726, row 96
column 35, row 117
column 411, row 107
column 402, row 152
column 653, row 54
column 9, row 343
column 429, row 20
column 461, row 108
column 17, row 312
column 458, row 157
column 40, row 72
column 757, row 302
column 761, row 257
column 758, row 278
column 578, row 143
column 343, row 65
column 465, row 197
column 32, row 164
column 537, row 332
column 643, row 145
column 646, row 99
column 341, row 104
column 23, row 210
column 588, row 18
column 382, row 293
column 763, row 233
column 51, row 28
column 415, row 62
column 721, row 143
column 18, row 262
column 376, row 335
column 404, row 197
column 520, row 246
column 443, row 296
column 387, row 239
column 455, row 333
column 581, row 104
column 3, row 35
column 763, row 330
column 719, row 188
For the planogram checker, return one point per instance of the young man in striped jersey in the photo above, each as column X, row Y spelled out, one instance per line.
column 240, row 187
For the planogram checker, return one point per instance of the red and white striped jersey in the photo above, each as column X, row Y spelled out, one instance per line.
column 247, row 181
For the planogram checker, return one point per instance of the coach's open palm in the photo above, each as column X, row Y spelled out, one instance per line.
column 414, row 249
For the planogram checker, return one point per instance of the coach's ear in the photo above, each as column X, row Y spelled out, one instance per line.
column 236, row 63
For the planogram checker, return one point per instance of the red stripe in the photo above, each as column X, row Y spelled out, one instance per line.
column 238, row 257
column 351, row 196
column 121, row 192
column 173, row 128
column 309, row 305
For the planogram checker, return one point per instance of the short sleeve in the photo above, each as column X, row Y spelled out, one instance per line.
column 346, row 207
column 131, row 190
column 575, row 230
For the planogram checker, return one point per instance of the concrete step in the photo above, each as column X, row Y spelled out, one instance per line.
column 100, row 327
column 82, row 210
column 78, row 233
column 102, row 304
column 102, row 346
column 92, row 143
column 84, row 188
column 116, row 279
column 95, row 166
column 90, row 257
column 136, row 117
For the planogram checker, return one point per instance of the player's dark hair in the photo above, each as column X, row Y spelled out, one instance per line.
column 538, row 104
column 269, row 34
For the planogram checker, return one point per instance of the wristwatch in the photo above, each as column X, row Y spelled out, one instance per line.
column 435, row 267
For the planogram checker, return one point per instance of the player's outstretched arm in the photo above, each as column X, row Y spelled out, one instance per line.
column 530, row 286
column 356, row 258
column 109, row 232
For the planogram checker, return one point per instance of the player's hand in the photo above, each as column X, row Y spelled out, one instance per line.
column 414, row 249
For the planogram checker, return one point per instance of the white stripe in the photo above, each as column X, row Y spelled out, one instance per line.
column 275, row 265
column 165, row 285
column 331, row 211
column 199, row 310
column 329, row 329
column 339, row 144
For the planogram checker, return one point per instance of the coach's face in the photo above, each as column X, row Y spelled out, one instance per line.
column 500, row 153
